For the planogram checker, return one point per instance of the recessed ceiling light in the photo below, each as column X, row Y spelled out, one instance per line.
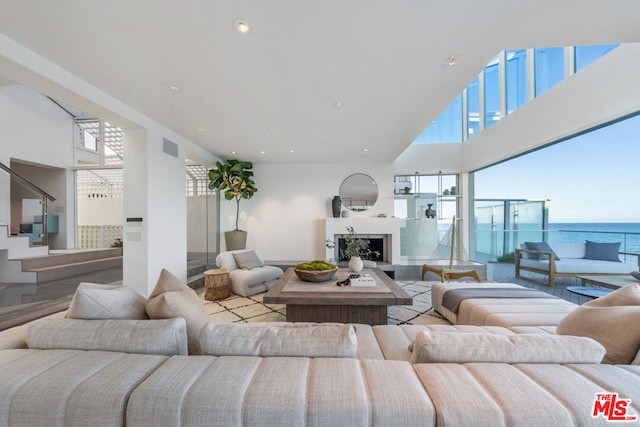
column 233, row 152
column 365, row 149
column 262, row 152
column 291, row 151
column 338, row 104
column 173, row 87
column 241, row 26
column 200, row 129
column 451, row 61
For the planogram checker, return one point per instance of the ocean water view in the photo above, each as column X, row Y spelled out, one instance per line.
column 490, row 244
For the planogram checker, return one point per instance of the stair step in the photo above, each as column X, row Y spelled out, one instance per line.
column 46, row 274
column 51, row 260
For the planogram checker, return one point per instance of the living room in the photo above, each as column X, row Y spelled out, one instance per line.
column 312, row 174
column 311, row 93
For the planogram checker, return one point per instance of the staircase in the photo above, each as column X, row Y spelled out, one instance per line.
column 22, row 263
column 60, row 266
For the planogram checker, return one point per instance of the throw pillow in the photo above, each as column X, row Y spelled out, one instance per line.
column 166, row 337
column 172, row 298
column 612, row 321
column 541, row 246
column 603, row 251
column 93, row 301
column 279, row 339
column 460, row 347
column 247, row 260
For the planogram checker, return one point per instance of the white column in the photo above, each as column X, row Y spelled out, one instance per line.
column 155, row 228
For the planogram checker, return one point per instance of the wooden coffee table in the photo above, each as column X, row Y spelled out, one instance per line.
column 328, row 302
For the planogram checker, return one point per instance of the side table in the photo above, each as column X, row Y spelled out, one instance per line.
column 216, row 282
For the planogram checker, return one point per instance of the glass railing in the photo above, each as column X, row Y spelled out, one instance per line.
column 29, row 211
column 490, row 245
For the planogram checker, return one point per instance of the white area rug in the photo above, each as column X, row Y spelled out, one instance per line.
column 251, row 309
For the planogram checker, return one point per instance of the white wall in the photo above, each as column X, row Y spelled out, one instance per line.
column 201, row 224
column 285, row 214
column 37, row 131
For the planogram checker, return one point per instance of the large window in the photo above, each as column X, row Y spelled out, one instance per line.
column 473, row 108
column 516, row 79
column 489, row 96
column 446, row 128
column 549, row 66
column 585, row 55
column 492, row 93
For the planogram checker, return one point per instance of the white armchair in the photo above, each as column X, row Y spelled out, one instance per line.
column 251, row 276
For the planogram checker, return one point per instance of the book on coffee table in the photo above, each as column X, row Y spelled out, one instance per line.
column 363, row 280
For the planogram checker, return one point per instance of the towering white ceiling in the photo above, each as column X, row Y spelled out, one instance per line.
column 277, row 88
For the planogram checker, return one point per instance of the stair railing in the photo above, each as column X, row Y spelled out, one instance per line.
column 45, row 198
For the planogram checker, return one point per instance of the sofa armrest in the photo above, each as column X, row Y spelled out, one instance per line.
column 632, row 254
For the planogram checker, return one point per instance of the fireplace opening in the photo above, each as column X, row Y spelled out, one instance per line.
column 376, row 244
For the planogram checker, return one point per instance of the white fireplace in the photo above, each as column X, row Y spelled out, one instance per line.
column 388, row 229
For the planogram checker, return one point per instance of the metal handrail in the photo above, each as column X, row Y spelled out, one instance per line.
column 45, row 198
column 25, row 181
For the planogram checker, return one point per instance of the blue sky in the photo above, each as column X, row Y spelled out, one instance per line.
column 589, row 178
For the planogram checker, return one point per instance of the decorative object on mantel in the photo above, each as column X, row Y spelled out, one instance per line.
column 430, row 212
column 234, row 177
column 345, row 213
column 355, row 249
column 336, row 205
column 315, row 271
column 382, row 215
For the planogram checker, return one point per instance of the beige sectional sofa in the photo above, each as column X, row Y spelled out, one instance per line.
column 379, row 386
column 135, row 372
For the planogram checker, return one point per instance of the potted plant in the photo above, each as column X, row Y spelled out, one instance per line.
column 355, row 249
column 234, row 177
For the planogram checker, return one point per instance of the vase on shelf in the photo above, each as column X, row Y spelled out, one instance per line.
column 430, row 213
column 336, row 206
column 356, row 264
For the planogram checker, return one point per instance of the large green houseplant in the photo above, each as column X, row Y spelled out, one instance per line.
column 234, row 177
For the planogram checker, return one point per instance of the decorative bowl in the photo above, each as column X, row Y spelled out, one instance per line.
column 315, row 275
column 636, row 275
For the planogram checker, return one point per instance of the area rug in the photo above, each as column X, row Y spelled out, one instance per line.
column 251, row 309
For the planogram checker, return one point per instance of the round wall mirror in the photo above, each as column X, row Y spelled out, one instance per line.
column 358, row 192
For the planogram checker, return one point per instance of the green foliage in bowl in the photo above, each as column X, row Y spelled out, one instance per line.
column 317, row 265
column 315, row 271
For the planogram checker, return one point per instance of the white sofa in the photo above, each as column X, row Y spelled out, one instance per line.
column 53, row 383
column 117, row 372
column 247, row 282
column 572, row 262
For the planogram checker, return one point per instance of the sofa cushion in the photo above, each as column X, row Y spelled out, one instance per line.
column 227, row 259
column 603, row 251
column 172, row 298
column 247, row 260
column 461, row 347
column 541, row 246
column 165, row 337
column 94, row 301
column 279, row 339
column 612, row 321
